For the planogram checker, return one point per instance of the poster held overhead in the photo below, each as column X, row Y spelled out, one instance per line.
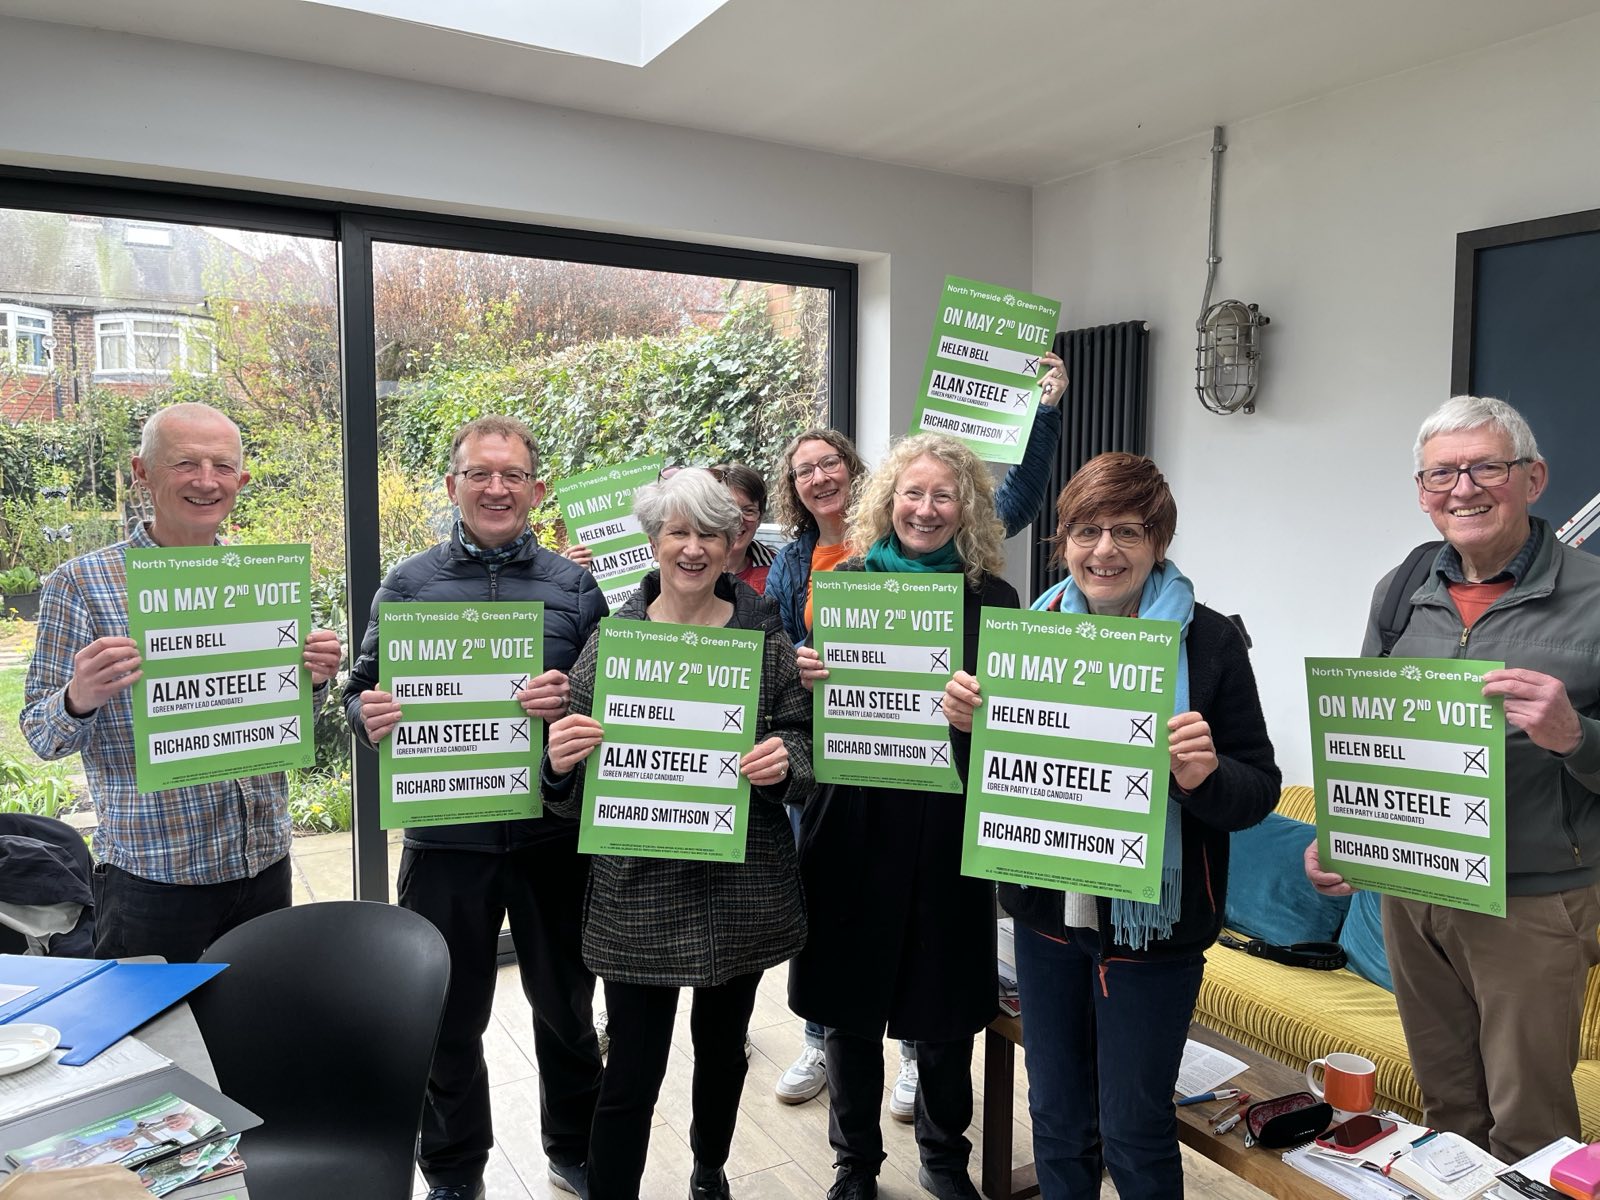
column 980, row 383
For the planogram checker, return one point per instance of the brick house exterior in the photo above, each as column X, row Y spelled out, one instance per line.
column 99, row 302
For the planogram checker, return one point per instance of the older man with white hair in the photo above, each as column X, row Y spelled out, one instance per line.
column 179, row 868
column 1491, row 1006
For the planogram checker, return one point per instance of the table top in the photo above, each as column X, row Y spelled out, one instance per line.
column 1263, row 1078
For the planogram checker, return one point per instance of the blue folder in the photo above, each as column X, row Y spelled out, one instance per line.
column 48, row 977
column 107, row 1000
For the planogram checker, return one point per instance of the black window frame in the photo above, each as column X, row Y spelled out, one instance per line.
column 353, row 228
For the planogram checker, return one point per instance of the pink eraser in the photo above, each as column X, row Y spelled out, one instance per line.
column 1578, row 1174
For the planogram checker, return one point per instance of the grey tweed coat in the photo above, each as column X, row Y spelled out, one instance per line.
column 682, row 923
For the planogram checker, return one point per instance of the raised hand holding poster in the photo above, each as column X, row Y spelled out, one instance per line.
column 980, row 384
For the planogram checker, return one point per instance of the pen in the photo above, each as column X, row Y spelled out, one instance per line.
column 1222, row 1127
column 1427, row 1135
column 1219, row 1094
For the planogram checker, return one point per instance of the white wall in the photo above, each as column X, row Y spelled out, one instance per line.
column 114, row 104
column 1339, row 218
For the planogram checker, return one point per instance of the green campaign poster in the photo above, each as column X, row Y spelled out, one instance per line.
column 678, row 703
column 1067, row 786
column 224, row 692
column 598, row 509
column 1408, row 761
column 889, row 641
column 464, row 750
column 981, row 382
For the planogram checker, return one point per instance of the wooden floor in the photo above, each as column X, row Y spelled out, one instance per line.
column 780, row 1152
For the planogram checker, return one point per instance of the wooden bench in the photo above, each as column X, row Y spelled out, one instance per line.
column 1263, row 1077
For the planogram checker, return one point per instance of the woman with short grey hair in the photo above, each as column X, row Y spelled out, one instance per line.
column 654, row 925
column 694, row 496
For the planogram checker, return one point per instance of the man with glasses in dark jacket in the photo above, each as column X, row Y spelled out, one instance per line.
column 467, row 878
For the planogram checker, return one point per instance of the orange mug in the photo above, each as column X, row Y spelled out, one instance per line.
column 1349, row 1082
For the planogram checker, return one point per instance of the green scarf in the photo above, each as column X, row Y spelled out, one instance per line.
column 887, row 554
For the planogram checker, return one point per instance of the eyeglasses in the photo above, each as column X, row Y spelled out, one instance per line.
column 915, row 497
column 1127, row 535
column 827, row 465
column 750, row 512
column 479, row 477
column 1484, row 474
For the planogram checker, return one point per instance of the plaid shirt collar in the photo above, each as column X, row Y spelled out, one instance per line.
column 1449, row 564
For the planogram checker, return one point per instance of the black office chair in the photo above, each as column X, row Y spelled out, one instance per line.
column 324, row 1025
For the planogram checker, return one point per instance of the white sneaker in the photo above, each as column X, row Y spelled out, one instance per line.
column 903, row 1099
column 805, row 1078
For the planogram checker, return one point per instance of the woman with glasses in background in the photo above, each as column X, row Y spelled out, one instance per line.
column 1108, row 987
column 821, row 472
column 748, row 560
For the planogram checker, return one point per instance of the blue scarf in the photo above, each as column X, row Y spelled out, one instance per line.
column 496, row 557
column 887, row 554
column 1168, row 596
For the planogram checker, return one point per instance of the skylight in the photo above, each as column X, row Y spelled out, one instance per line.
column 631, row 32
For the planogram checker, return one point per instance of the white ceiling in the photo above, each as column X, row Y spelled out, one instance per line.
column 1025, row 91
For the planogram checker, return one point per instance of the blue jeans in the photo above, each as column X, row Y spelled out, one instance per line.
column 1104, row 1041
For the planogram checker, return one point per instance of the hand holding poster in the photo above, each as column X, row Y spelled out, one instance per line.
column 597, row 507
column 889, row 642
column 980, row 385
column 224, row 693
column 678, row 704
column 464, row 750
column 1408, row 760
column 1067, row 786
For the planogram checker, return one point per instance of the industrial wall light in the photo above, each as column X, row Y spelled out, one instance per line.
column 1227, row 365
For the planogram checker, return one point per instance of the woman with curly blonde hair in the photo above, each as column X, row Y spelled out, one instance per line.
column 974, row 544
column 900, row 940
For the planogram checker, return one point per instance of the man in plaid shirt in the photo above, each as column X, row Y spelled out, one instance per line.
column 176, row 869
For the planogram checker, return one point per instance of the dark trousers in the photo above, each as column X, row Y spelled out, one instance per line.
column 466, row 895
column 640, row 1020
column 134, row 915
column 1103, row 1041
column 855, row 1096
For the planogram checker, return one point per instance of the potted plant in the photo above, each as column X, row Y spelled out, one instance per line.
column 19, row 590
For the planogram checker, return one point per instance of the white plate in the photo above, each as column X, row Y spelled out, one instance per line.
column 23, row 1045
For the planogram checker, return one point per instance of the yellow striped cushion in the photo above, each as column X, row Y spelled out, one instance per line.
column 1295, row 1015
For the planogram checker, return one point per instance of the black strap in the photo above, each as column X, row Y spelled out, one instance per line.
column 1396, row 611
column 1314, row 956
